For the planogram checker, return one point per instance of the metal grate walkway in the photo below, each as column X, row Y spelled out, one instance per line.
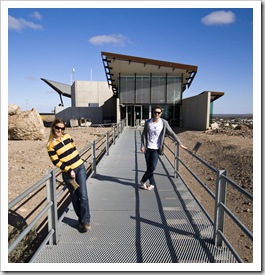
column 132, row 225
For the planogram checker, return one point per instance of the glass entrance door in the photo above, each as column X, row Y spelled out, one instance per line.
column 134, row 115
column 137, row 115
column 129, row 114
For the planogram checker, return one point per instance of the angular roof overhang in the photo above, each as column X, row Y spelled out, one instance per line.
column 60, row 88
column 118, row 64
column 214, row 95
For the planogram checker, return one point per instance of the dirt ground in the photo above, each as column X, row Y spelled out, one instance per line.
column 232, row 150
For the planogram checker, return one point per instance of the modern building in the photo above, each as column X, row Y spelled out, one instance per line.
column 134, row 86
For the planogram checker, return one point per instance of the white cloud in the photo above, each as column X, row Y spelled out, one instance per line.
column 36, row 15
column 219, row 18
column 115, row 39
column 19, row 24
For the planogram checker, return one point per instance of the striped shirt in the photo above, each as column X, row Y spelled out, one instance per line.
column 63, row 153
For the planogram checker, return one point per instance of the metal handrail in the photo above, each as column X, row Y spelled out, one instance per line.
column 28, row 191
column 220, row 197
column 50, row 179
column 239, row 188
column 28, row 228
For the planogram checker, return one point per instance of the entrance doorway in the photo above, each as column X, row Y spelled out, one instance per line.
column 134, row 114
column 138, row 115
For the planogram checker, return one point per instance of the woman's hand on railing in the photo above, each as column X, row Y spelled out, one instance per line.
column 183, row 147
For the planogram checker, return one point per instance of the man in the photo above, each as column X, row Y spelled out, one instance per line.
column 152, row 144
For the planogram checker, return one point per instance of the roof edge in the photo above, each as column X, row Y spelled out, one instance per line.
column 149, row 61
column 59, row 91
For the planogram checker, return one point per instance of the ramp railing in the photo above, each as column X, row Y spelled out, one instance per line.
column 56, row 191
column 219, row 196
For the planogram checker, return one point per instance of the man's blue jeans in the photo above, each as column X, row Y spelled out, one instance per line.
column 79, row 196
column 151, row 158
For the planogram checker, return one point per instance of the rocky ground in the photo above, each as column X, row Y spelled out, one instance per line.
column 227, row 149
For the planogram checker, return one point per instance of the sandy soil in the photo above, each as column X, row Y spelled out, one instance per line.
column 232, row 150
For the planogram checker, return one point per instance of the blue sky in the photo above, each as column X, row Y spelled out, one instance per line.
column 50, row 42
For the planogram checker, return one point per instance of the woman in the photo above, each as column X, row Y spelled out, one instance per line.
column 64, row 155
column 152, row 144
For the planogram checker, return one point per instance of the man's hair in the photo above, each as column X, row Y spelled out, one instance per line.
column 158, row 107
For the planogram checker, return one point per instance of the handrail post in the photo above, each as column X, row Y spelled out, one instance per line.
column 107, row 143
column 220, row 197
column 54, row 214
column 48, row 195
column 114, row 138
column 176, row 161
column 94, row 162
column 118, row 128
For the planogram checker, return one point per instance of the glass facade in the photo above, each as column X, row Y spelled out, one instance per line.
column 140, row 93
column 142, row 90
column 158, row 90
column 150, row 90
column 174, row 90
column 211, row 112
column 127, row 90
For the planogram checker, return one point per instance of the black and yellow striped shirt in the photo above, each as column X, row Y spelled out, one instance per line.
column 63, row 153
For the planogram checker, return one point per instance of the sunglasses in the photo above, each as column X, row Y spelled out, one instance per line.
column 59, row 128
column 157, row 113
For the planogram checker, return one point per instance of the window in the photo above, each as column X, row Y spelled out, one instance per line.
column 163, row 90
column 127, row 89
column 158, row 90
column 174, row 90
column 142, row 89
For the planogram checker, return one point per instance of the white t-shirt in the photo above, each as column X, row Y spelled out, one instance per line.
column 154, row 133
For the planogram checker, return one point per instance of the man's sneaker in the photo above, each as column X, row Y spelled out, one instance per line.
column 84, row 227
column 150, row 187
column 143, row 186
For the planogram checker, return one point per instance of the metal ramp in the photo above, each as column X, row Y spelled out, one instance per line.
column 132, row 225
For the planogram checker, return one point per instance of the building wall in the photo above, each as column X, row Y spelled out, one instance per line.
column 94, row 100
column 195, row 111
column 93, row 114
column 95, row 94
column 90, row 93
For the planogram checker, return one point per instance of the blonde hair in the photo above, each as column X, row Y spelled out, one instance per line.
column 52, row 134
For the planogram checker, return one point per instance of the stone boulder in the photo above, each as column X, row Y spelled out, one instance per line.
column 214, row 126
column 13, row 109
column 25, row 125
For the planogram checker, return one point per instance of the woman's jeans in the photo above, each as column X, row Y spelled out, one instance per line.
column 79, row 196
column 151, row 158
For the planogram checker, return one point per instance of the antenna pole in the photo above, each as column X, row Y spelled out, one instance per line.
column 73, row 79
